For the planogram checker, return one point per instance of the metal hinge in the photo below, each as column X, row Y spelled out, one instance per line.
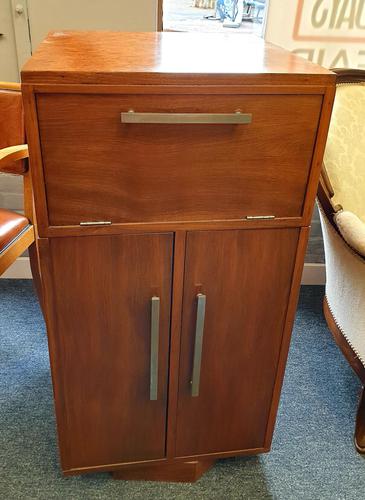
column 256, row 217
column 96, row 223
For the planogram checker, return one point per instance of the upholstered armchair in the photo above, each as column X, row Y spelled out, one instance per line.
column 16, row 230
column 341, row 199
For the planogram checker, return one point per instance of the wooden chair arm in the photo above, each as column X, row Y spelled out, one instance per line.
column 326, row 180
column 10, row 86
column 8, row 157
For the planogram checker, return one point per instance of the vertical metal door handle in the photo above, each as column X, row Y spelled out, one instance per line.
column 198, row 347
column 155, row 330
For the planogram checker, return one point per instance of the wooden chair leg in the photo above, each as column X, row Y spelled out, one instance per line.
column 360, row 424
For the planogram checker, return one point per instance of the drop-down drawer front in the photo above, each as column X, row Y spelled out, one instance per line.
column 97, row 168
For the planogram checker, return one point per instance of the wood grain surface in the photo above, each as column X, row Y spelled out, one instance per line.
column 127, row 173
column 246, row 278
column 177, row 197
column 177, row 472
column 101, row 306
column 104, row 57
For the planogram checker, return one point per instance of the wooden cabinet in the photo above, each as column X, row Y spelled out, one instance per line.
column 173, row 200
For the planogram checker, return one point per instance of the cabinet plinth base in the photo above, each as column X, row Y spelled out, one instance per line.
column 179, row 472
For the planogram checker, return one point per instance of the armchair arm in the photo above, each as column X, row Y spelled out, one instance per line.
column 325, row 194
column 8, row 157
column 352, row 230
column 326, row 180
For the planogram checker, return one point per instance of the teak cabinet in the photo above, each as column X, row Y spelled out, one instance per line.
column 173, row 197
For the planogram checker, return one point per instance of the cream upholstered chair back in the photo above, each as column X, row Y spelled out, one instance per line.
column 341, row 196
column 345, row 152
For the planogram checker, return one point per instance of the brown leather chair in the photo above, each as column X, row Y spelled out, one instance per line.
column 16, row 231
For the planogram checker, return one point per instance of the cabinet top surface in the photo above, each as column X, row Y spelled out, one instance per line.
column 103, row 57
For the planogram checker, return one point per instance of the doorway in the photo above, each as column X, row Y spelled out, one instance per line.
column 215, row 16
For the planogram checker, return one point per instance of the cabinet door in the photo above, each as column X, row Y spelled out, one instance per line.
column 244, row 277
column 100, row 345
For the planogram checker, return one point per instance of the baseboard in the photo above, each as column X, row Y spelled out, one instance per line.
column 313, row 274
column 19, row 270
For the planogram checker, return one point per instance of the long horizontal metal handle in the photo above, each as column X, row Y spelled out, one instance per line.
column 155, row 331
column 183, row 118
column 198, row 347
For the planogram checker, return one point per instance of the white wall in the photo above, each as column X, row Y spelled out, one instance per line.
column 8, row 55
column 118, row 15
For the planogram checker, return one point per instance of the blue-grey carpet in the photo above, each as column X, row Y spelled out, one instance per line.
column 312, row 455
